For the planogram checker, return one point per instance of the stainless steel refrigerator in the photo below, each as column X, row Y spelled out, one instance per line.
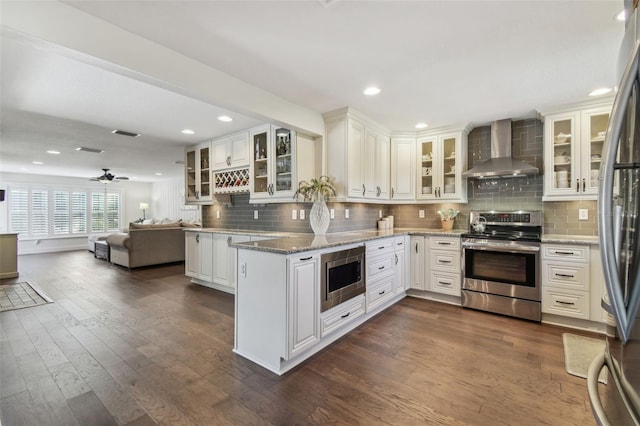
column 618, row 403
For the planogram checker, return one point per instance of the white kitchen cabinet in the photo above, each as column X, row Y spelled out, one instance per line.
column 224, row 261
column 339, row 316
column 444, row 265
column 303, row 307
column 198, row 255
column 417, row 257
column 441, row 160
column 231, row 151
column 380, row 272
column 198, row 188
column 573, row 149
column 566, row 282
column 401, row 265
column 403, row 169
column 358, row 156
column 280, row 159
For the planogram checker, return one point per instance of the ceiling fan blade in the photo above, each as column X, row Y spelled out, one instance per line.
column 122, row 178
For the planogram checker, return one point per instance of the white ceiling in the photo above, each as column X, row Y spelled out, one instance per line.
column 442, row 62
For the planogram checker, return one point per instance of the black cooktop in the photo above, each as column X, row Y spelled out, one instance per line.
column 512, row 235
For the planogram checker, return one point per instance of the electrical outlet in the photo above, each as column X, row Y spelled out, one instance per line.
column 583, row 214
column 380, row 214
column 421, row 214
column 255, row 214
column 217, row 214
column 301, row 214
column 294, row 214
column 346, row 213
column 332, row 212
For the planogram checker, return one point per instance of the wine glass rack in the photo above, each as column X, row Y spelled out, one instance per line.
column 231, row 181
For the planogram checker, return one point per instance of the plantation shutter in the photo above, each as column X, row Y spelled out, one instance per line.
column 79, row 212
column 61, row 217
column 19, row 211
column 113, row 212
column 97, row 212
column 39, row 212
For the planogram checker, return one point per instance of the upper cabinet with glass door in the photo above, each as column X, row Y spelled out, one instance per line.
column 441, row 161
column 275, row 165
column 573, row 151
column 198, row 188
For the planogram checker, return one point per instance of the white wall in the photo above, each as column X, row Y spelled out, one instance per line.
column 133, row 193
column 167, row 201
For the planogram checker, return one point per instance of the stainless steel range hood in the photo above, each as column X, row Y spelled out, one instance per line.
column 501, row 164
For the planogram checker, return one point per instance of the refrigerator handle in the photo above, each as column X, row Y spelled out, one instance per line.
column 605, row 225
column 592, row 387
column 606, row 306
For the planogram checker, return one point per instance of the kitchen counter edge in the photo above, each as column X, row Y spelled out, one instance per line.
column 570, row 239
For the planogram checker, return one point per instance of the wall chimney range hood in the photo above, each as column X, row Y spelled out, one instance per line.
column 501, row 163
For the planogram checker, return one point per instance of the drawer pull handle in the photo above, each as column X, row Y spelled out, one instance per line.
column 381, row 268
column 306, row 258
column 396, row 258
column 565, row 303
column 443, row 283
column 568, row 253
column 444, row 243
column 345, row 315
column 564, row 275
column 382, row 292
column 443, row 261
column 380, row 248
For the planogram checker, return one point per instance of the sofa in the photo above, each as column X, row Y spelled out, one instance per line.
column 146, row 245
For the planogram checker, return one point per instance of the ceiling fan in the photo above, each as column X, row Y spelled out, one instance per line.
column 108, row 177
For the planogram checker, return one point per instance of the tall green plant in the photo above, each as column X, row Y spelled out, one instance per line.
column 315, row 189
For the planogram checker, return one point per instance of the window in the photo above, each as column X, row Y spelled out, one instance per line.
column 41, row 211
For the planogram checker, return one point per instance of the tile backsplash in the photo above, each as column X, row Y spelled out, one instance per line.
column 522, row 193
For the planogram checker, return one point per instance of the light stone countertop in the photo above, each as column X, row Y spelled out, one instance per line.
column 570, row 239
column 296, row 243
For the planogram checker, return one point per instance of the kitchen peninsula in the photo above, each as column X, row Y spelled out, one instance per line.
column 279, row 318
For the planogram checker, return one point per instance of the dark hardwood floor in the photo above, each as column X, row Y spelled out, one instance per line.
column 146, row 347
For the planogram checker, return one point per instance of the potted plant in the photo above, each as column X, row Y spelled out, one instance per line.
column 317, row 191
column 447, row 217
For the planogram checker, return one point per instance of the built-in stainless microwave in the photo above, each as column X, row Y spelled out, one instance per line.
column 342, row 276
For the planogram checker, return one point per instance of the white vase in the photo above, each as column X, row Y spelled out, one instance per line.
column 319, row 217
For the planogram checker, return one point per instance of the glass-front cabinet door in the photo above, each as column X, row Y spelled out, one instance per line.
column 594, row 128
column 426, row 152
column 272, row 166
column 198, row 174
column 563, row 143
column 440, row 167
column 451, row 176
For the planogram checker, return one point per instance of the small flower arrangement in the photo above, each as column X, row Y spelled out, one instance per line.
column 316, row 189
column 448, row 214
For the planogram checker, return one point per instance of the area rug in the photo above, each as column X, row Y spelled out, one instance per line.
column 579, row 351
column 21, row 295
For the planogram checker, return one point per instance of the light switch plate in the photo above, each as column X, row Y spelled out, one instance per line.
column 421, row 214
column 346, row 213
column 294, row 214
column 255, row 214
column 332, row 212
column 583, row 214
column 380, row 214
column 301, row 214
column 217, row 214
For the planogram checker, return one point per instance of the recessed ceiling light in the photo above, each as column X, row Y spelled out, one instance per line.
column 125, row 133
column 94, row 150
column 37, row 163
column 188, row 132
column 600, row 91
column 371, row 91
column 158, row 174
column 54, row 152
column 621, row 16
column 422, row 126
column 225, row 118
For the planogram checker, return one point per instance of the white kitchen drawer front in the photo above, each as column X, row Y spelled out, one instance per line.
column 379, row 267
column 379, row 247
column 574, row 253
column 448, row 261
column 445, row 283
column 399, row 243
column 566, row 275
column 445, row 243
column 380, row 292
column 566, row 303
column 342, row 314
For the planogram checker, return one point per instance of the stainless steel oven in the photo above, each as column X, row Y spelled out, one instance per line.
column 342, row 276
column 501, row 264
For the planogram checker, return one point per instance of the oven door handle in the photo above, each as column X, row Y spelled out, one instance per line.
column 497, row 247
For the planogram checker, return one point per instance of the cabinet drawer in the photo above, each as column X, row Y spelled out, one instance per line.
column 567, row 303
column 379, row 247
column 445, row 243
column 574, row 253
column 442, row 282
column 569, row 275
column 399, row 243
column 378, row 293
column 378, row 267
column 342, row 314
column 448, row 261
